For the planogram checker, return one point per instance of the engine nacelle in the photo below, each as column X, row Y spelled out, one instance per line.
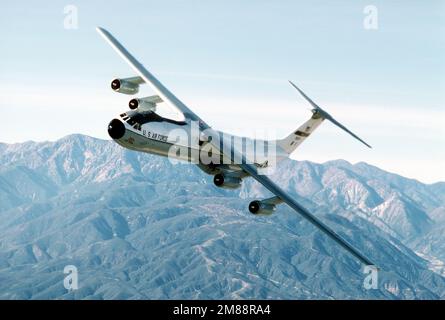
column 127, row 85
column 145, row 104
column 226, row 182
column 258, row 207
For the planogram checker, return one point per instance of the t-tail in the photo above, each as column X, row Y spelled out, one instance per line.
column 293, row 140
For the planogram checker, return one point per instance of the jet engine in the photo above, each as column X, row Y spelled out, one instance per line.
column 264, row 207
column 145, row 104
column 260, row 208
column 226, row 181
column 127, row 85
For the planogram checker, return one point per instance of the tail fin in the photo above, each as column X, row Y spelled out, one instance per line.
column 327, row 116
column 292, row 141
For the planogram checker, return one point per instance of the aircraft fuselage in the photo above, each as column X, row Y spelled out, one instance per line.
column 182, row 140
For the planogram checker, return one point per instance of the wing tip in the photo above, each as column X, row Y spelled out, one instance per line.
column 366, row 144
column 362, row 141
column 293, row 85
column 102, row 31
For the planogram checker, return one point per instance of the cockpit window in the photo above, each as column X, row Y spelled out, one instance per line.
column 149, row 116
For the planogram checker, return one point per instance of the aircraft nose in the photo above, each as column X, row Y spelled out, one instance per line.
column 116, row 129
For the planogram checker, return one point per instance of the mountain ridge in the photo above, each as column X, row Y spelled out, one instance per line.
column 164, row 230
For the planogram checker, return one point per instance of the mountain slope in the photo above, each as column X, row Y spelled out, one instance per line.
column 139, row 227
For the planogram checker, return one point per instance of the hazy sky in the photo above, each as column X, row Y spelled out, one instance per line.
column 229, row 61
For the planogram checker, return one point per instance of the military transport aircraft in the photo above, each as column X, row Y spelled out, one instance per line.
column 142, row 129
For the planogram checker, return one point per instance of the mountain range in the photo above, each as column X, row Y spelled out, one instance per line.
column 137, row 226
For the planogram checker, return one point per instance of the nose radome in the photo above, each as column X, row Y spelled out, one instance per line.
column 116, row 129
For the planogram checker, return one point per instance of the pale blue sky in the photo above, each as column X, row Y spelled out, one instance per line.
column 232, row 58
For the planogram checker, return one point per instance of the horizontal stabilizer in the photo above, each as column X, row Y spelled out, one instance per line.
column 319, row 111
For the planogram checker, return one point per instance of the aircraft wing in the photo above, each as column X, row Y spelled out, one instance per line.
column 240, row 159
column 158, row 87
column 216, row 141
column 272, row 187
